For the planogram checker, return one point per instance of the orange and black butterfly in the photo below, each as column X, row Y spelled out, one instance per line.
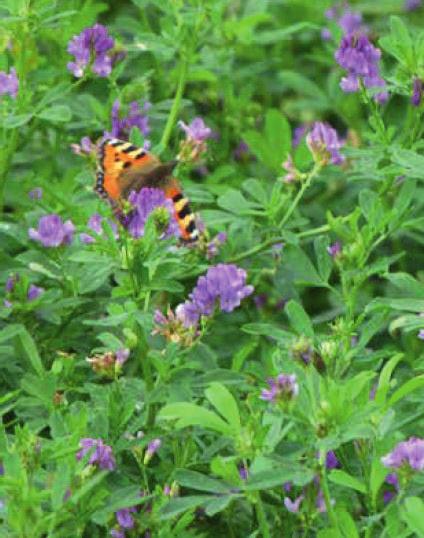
column 123, row 168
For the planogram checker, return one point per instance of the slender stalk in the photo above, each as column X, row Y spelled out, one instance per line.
column 262, row 521
column 327, row 498
column 176, row 104
column 305, row 185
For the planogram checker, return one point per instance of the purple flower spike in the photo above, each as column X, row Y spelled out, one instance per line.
column 293, row 506
column 34, row 292
column 122, row 355
column 281, row 388
column 137, row 117
column 417, row 92
column 9, row 83
column 144, row 202
column 90, row 47
column 334, row 249
column 36, row 194
column 331, row 461
column 298, row 133
column 11, row 282
column 409, row 452
column 52, row 232
column 361, row 60
column 243, row 472
column 324, row 143
column 124, row 517
column 421, row 334
column 350, row 22
column 152, row 448
column 197, row 130
column 102, row 456
column 412, row 5
column 225, row 283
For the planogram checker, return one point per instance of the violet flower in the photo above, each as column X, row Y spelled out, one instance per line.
column 242, row 151
column 197, row 130
column 136, row 117
column 412, row 5
column 410, row 452
column 212, row 248
column 102, row 455
column 34, row 292
column 95, row 224
column 117, row 533
column 11, row 282
column 417, row 91
column 124, row 517
column 293, row 506
column 152, row 448
column 243, row 472
column 85, row 147
column 281, row 388
column 324, row 143
column 36, row 194
column 334, row 249
column 9, row 83
column 361, row 60
column 145, row 202
column 122, row 355
column 90, row 48
column 421, row 334
column 225, row 283
column 52, row 232
column 298, row 133
column 331, row 461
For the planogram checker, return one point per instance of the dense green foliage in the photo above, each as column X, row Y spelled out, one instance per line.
column 332, row 249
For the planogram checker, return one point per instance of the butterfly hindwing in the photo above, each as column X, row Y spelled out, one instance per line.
column 123, row 167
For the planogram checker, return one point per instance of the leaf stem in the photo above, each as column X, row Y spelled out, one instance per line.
column 176, row 104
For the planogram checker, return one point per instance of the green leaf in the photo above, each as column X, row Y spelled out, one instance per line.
column 267, row 329
column 324, row 261
column 276, row 477
column 200, row 482
column 234, row 202
column 384, row 379
column 278, row 136
column 299, row 319
column 188, row 414
column 12, row 122
column 405, row 389
column 344, row 479
column 377, row 475
column 181, row 504
column 56, row 114
column 24, row 346
column 346, row 523
column 411, row 162
column 412, row 514
column 224, row 402
column 214, row 506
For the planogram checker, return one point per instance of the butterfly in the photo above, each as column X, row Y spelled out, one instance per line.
column 123, row 168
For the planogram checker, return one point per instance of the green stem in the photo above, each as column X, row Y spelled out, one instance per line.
column 305, row 185
column 327, row 498
column 262, row 521
column 176, row 104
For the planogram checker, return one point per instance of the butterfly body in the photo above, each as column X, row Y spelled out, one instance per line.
column 123, row 168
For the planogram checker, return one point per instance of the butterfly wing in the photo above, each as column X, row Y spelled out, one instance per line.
column 123, row 167
column 115, row 158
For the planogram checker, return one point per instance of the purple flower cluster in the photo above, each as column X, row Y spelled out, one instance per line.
column 85, row 147
column 412, row 5
column 410, row 452
column 9, row 83
column 144, row 203
column 90, row 48
column 361, row 60
column 36, row 194
column 102, row 455
column 281, row 388
column 52, row 231
column 392, row 480
column 417, row 91
column 136, row 117
column 125, row 521
column 152, row 448
column 32, row 293
column 324, row 143
column 334, row 249
column 348, row 20
column 95, row 224
column 196, row 131
column 225, row 283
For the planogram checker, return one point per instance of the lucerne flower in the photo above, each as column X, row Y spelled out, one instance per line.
column 90, row 48
column 9, row 83
column 52, row 232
